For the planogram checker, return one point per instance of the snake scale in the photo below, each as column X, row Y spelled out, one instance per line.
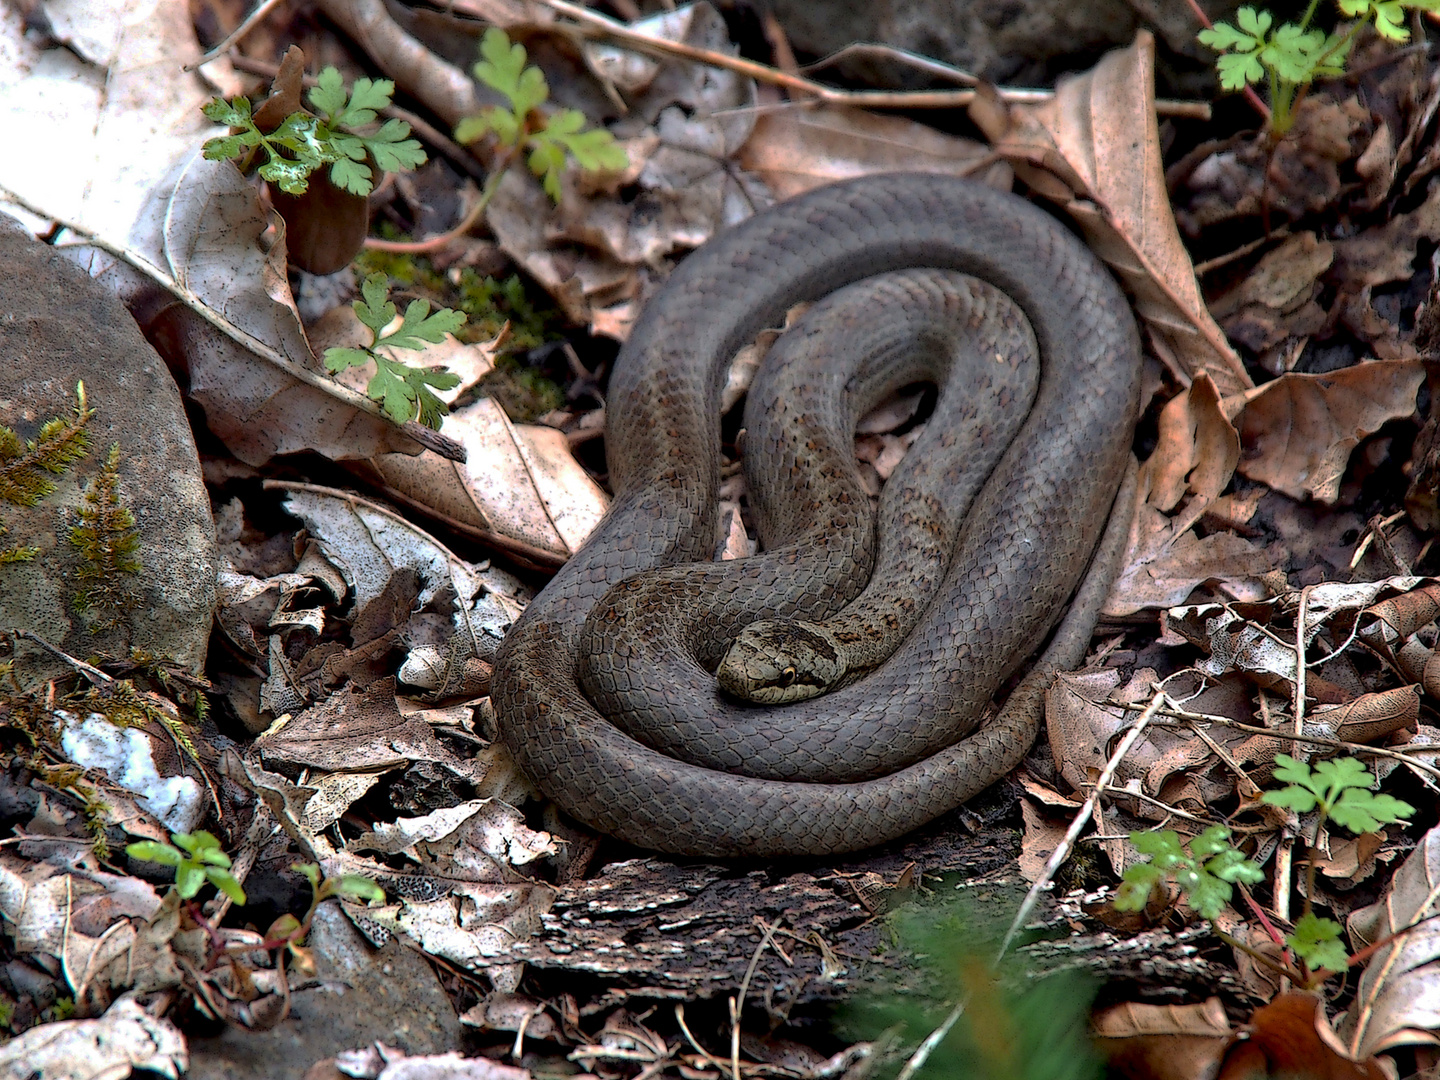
column 1008, row 517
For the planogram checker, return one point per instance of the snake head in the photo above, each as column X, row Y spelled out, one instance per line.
column 779, row 661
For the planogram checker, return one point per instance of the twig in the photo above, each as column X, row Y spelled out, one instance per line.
column 435, row 243
column 736, row 1008
column 876, row 99
column 90, row 671
column 1082, row 818
column 1318, row 740
column 923, row 1051
column 1203, row 268
column 433, row 440
column 246, row 25
column 710, row 1058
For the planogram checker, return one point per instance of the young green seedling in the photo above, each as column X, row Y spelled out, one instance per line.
column 201, row 860
column 404, row 392
column 522, row 128
column 1289, row 57
column 305, row 141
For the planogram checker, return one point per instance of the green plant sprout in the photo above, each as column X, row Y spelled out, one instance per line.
column 305, row 141
column 523, row 128
column 1016, row 1023
column 290, row 932
column 403, row 391
column 1340, row 789
column 1207, row 873
column 1292, row 55
column 201, row 860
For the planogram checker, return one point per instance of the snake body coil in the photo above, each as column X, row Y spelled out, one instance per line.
column 880, row 757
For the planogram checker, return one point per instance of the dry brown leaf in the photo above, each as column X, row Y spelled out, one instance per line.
column 1351, row 859
column 1172, row 764
column 1372, row 718
column 1387, row 252
column 353, row 730
column 1163, row 1042
column 1165, row 562
column 1397, row 1001
column 1041, row 837
column 798, row 149
column 519, row 484
column 1197, row 449
column 599, row 255
column 1291, row 1036
column 1298, row 430
column 1099, row 135
column 209, row 226
column 1276, row 301
column 1300, row 175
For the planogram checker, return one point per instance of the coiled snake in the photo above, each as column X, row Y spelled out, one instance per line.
column 667, row 761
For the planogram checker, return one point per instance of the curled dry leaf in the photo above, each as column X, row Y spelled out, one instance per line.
column 598, row 254
column 520, row 487
column 125, row 1039
column 208, row 229
column 1165, row 562
column 1397, row 1000
column 1297, row 431
column 1301, row 176
column 1095, row 150
column 794, row 150
column 1275, row 303
column 1196, row 453
column 352, row 730
column 1174, row 765
column 1197, row 448
column 1163, row 1042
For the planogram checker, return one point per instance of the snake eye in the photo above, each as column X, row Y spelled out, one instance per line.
column 787, row 677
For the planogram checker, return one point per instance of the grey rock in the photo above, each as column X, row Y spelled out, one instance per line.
column 364, row 994
column 57, row 328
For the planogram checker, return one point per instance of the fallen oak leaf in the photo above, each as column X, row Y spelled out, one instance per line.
column 1197, row 447
column 1297, row 431
column 1164, row 561
column 1292, row 1036
column 1396, row 1000
column 794, row 151
column 1098, row 139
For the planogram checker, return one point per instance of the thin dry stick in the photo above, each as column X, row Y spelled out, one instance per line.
column 246, row 25
column 736, row 1008
column 1297, row 724
column 710, row 1058
column 876, row 99
column 1067, row 843
column 1318, row 740
column 923, row 1051
column 433, row 440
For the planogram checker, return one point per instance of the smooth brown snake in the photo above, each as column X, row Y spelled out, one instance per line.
column 894, row 749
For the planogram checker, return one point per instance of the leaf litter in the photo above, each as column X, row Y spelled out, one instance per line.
column 1226, row 563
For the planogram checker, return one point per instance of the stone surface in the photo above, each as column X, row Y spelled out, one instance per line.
column 364, row 994
column 1017, row 42
column 58, row 327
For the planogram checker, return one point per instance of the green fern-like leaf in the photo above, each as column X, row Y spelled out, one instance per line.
column 62, row 441
column 109, row 545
